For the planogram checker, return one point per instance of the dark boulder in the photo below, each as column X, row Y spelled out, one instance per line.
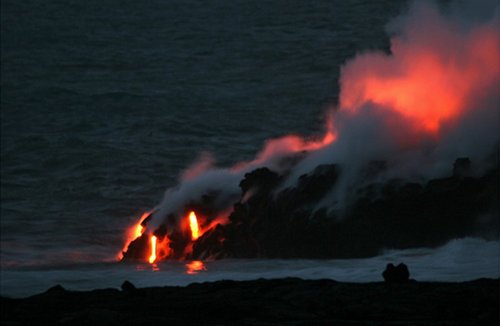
column 128, row 287
column 396, row 274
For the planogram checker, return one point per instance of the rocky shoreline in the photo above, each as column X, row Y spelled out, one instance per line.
column 288, row 301
column 271, row 222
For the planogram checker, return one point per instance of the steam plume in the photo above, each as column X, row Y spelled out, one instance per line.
column 432, row 99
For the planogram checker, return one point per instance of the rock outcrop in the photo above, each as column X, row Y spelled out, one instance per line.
column 274, row 221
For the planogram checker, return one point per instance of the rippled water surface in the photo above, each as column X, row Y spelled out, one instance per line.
column 103, row 103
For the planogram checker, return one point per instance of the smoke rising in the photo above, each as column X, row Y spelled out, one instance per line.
column 432, row 99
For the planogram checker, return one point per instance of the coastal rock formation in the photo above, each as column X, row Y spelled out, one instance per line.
column 394, row 214
column 265, row 302
column 274, row 221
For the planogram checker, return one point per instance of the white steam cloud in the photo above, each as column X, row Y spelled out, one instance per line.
column 433, row 99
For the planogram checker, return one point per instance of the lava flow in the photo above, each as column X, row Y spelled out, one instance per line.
column 152, row 258
column 152, row 247
column 429, row 100
column 193, row 224
column 134, row 233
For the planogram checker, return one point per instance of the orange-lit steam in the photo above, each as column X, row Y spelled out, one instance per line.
column 406, row 107
column 193, row 225
column 294, row 144
column 287, row 146
column 152, row 257
column 204, row 162
column 431, row 77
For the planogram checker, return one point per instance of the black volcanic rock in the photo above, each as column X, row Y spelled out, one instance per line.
column 137, row 249
column 261, row 179
column 285, row 223
column 128, row 286
column 210, row 244
column 395, row 214
column 288, row 301
column 312, row 187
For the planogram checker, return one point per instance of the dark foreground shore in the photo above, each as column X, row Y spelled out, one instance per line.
column 287, row 301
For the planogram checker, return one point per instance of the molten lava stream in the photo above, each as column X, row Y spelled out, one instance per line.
column 193, row 224
column 152, row 258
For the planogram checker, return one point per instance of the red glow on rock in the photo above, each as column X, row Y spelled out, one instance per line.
column 133, row 233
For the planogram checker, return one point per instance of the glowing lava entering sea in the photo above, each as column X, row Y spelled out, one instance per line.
column 134, row 232
column 193, row 224
column 159, row 244
column 152, row 257
column 400, row 115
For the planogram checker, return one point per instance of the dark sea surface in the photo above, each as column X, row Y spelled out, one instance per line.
column 104, row 103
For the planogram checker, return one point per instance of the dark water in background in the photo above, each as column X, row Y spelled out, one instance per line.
column 103, row 103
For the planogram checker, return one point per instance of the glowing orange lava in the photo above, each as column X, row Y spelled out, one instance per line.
column 163, row 249
column 133, row 233
column 152, row 258
column 138, row 231
column 193, row 224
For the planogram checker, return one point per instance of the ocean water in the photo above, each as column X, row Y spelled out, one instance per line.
column 104, row 103
column 459, row 260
